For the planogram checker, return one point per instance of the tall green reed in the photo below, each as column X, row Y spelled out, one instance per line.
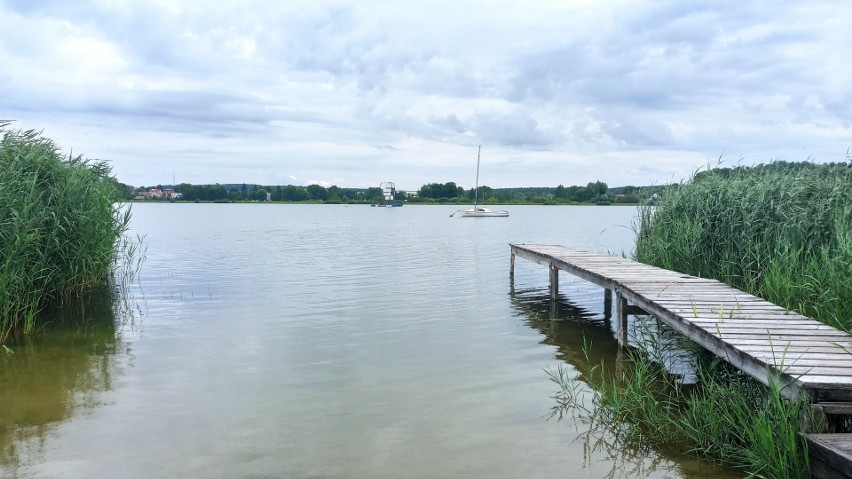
column 726, row 416
column 60, row 222
column 730, row 416
column 781, row 231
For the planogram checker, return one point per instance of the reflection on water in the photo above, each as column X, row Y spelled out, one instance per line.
column 663, row 345
column 325, row 341
column 57, row 374
column 584, row 339
column 572, row 329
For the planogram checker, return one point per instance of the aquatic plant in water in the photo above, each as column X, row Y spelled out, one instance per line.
column 781, row 231
column 726, row 416
column 60, row 223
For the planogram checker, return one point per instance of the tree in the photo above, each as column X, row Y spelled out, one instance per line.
column 334, row 193
column 295, row 193
column 259, row 194
column 436, row 190
column 482, row 194
column 317, row 192
column 576, row 193
column 216, row 192
column 597, row 188
column 374, row 194
column 187, row 191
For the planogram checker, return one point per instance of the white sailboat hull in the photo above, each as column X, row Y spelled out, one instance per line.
column 483, row 213
column 478, row 211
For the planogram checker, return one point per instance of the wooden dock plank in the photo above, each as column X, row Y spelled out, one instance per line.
column 831, row 455
column 761, row 322
column 755, row 335
column 834, row 366
column 762, row 339
column 804, row 343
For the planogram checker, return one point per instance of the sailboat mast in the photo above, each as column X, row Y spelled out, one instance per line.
column 476, row 191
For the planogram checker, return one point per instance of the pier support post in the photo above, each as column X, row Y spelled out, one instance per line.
column 554, row 282
column 607, row 303
column 512, row 268
column 621, row 319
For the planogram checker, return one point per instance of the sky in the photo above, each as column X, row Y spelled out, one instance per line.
column 356, row 93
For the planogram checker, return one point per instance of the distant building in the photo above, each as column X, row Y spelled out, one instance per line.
column 158, row 194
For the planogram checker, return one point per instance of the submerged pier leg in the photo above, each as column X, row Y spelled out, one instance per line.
column 621, row 319
column 554, row 282
column 607, row 303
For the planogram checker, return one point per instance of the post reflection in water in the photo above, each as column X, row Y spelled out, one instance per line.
column 47, row 379
column 324, row 341
column 585, row 341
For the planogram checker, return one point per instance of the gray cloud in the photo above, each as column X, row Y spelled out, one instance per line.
column 263, row 91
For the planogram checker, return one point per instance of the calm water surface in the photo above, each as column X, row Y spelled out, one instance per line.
column 324, row 341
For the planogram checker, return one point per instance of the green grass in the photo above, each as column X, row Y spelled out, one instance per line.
column 726, row 417
column 749, row 425
column 781, row 231
column 60, row 226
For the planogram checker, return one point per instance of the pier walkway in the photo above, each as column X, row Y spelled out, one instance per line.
column 769, row 343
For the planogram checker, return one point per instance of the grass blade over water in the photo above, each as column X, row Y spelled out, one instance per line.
column 59, row 226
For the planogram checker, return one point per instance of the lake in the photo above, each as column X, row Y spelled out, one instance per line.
column 324, row 341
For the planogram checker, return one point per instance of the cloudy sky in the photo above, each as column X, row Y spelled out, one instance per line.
column 360, row 92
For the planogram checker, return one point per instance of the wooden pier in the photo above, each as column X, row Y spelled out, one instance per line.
column 808, row 358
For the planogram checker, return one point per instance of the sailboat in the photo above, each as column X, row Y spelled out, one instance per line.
column 479, row 211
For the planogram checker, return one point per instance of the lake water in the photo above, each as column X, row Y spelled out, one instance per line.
column 324, row 341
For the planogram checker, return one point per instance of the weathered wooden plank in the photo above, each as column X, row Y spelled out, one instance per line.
column 726, row 311
column 836, row 408
column 685, row 291
column 830, row 394
column 795, row 349
column 716, row 307
column 723, row 301
column 752, row 334
column 740, row 341
column 838, row 374
column 762, row 323
column 779, row 330
column 835, row 383
column 759, row 320
column 688, row 305
column 757, row 317
column 830, row 455
column 681, row 289
column 739, row 359
column 648, row 281
column 708, row 297
column 803, row 359
column 778, row 341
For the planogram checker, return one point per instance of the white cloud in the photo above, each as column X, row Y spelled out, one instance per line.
column 627, row 92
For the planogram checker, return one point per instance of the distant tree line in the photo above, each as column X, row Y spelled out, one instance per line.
column 592, row 193
column 597, row 192
column 255, row 192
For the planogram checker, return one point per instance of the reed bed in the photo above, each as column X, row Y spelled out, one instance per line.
column 60, row 223
column 781, row 231
column 726, row 417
